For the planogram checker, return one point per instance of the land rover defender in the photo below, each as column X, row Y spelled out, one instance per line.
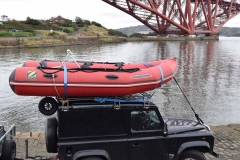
column 88, row 130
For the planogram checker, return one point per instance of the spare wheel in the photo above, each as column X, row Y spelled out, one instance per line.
column 51, row 135
column 48, row 106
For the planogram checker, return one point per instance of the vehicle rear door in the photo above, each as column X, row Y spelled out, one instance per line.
column 91, row 130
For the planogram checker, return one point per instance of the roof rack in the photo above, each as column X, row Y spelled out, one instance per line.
column 140, row 97
column 143, row 98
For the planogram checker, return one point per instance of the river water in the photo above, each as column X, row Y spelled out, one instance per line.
column 209, row 75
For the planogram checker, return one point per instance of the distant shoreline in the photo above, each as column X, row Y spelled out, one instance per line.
column 40, row 42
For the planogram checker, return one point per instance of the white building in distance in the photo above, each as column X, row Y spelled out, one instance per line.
column 4, row 18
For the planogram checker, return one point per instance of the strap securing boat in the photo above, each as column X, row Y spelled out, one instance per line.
column 162, row 75
column 161, row 71
column 65, row 81
column 106, row 99
column 147, row 64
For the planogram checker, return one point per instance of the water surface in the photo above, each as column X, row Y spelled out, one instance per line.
column 209, row 74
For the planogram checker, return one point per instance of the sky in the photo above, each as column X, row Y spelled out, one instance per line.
column 93, row 10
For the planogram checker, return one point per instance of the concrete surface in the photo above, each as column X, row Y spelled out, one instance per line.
column 227, row 143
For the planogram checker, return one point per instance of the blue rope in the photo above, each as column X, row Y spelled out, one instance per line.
column 65, row 81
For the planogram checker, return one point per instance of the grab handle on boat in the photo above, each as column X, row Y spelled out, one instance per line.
column 48, row 75
column 111, row 76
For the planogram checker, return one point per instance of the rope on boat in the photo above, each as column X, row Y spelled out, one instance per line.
column 120, row 69
column 69, row 53
column 86, row 63
column 63, row 101
column 79, row 68
column 196, row 115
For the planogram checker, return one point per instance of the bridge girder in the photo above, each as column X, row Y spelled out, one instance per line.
column 180, row 16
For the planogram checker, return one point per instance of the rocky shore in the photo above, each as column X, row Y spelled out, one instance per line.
column 39, row 42
column 43, row 42
column 227, row 143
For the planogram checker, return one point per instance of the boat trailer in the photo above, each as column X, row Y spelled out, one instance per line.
column 7, row 143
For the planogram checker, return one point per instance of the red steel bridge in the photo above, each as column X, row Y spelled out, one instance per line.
column 180, row 16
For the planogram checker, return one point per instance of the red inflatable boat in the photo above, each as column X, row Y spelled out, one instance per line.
column 70, row 79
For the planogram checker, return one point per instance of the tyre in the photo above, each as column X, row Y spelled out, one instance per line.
column 48, row 106
column 8, row 150
column 92, row 158
column 51, row 135
column 192, row 155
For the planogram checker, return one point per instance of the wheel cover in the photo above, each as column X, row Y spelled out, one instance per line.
column 48, row 106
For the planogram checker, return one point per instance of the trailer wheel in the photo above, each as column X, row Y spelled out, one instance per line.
column 9, row 150
column 192, row 155
column 51, row 135
column 48, row 106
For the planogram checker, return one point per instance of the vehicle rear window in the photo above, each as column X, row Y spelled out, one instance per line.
column 84, row 123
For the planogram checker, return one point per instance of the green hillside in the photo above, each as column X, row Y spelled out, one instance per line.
column 224, row 31
column 229, row 31
column 133, row 29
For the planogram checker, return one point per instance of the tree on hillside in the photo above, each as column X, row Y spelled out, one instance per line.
column 75, row 27
column 96, row 24
column 139, row 35
column 32, row 21
column 87, row 23
column 66, row 30
column 79, row 22
column 112, row 32
column 55, row 26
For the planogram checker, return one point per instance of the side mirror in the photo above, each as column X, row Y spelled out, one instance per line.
column 165, row 129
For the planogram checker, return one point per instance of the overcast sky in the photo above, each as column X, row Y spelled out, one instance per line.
column 93, row 10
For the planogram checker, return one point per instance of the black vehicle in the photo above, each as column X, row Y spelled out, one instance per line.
column 87, row 130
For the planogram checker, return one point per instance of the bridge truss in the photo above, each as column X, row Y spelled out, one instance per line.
column 180, row 16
